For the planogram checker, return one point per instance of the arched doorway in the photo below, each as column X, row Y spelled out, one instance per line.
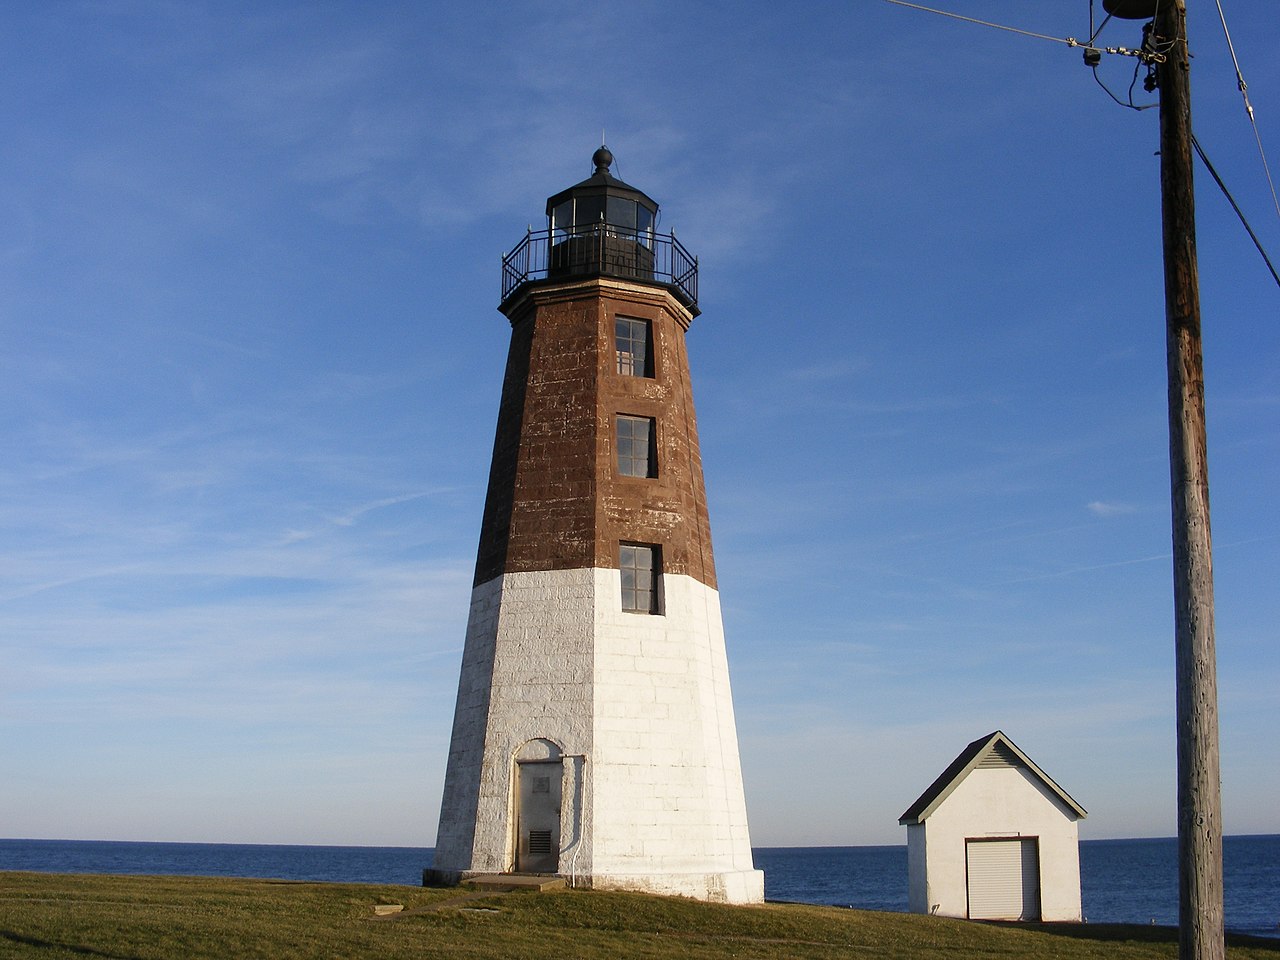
column 539, row 781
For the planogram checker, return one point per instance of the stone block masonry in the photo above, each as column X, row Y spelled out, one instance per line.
column 660, row 804
column 594, row 734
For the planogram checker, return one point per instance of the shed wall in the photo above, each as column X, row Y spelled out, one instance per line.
column 1008, row 802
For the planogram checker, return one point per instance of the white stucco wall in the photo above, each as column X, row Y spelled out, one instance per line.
column 1006, row 802
column 641, row 706
column 526, row 674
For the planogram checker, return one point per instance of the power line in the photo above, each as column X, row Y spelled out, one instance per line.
column 1234, row 206
column 1248, row 108
column 1069, row 41
column 1130, row 105
column 1145, row 55
column 1093, row 34
column 1151, row 52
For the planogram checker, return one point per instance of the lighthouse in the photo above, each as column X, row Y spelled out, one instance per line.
column 593, row 735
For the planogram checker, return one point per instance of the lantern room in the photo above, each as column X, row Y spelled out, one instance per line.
column 602, row 199
column 602, row 227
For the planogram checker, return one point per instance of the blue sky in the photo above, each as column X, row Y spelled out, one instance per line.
column 250, row 366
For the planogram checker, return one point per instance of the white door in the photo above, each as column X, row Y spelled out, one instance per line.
column 538, row 816
column 1003, row 879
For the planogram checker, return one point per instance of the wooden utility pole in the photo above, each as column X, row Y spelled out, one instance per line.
column 1199, row 789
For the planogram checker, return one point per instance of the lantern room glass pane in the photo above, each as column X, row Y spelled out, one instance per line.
column 644, row 224
column 621, row 212
column 590, row 211
column 561, row 219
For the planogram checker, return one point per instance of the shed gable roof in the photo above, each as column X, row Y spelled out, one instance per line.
column 993, row 750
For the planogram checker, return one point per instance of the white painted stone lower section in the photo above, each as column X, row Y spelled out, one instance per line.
column 1005, row 802
column 641, row 709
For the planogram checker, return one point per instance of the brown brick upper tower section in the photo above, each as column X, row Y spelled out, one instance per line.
column 597, row 441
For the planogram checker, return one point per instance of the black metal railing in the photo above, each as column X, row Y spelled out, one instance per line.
column 602, row 249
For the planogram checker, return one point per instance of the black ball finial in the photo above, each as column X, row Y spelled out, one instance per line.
column 602, row 158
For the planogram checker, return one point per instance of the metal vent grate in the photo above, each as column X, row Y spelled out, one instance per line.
column 999, row 758
column 539, row 843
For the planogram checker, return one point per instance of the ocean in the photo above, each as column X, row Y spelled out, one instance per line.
column 1122, row 881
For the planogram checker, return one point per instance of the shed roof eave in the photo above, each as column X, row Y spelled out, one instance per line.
column 964, row 764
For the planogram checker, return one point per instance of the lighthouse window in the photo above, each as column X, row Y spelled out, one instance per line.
column 640, row 566
column 637, row 453
column 631, row 337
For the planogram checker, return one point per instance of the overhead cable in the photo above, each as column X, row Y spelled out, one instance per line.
column 1234, row 206
column 1147, row 56
column 1248, row 107
column 1069, row 41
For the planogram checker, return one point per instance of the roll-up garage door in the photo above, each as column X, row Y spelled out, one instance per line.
column 1004, row 879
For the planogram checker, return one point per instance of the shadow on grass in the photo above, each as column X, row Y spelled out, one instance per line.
column 53, row 945
column 1136, row 933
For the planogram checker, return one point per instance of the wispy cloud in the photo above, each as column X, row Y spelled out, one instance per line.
column 841, row 368
column 348, row 518
column 1104, row 508
column 1089, row 568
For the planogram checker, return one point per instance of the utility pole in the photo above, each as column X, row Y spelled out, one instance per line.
column 1200, row 926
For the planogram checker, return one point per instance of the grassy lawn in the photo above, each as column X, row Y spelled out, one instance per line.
column 54, row 916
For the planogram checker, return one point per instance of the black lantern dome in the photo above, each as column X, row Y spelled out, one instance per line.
column 606, row 228
column 602, row 198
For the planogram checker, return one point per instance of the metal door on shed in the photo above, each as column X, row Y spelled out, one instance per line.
column 1003, row 879
column 538, row 816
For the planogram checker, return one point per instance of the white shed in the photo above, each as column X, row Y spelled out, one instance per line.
column 994, row 838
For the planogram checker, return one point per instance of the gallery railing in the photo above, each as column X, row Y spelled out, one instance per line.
column 602, row 249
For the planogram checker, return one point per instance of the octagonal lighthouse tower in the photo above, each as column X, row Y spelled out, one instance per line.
column 594, row 735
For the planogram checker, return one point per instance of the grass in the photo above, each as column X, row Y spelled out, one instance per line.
column 55, row 916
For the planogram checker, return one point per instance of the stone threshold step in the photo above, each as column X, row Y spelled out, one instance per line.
column 515, row 881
